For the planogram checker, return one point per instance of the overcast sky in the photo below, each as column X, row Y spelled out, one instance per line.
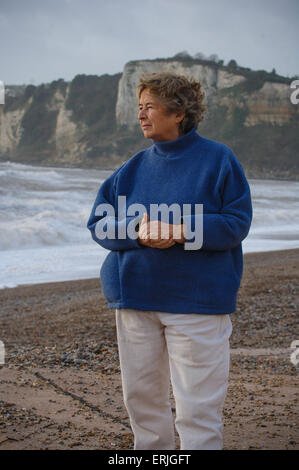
column 43, row 40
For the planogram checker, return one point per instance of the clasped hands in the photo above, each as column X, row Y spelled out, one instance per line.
column 158, row 234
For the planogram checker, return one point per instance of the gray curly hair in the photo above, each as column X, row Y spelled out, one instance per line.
column 178, row 94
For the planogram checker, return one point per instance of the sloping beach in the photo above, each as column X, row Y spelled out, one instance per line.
column 61, row 387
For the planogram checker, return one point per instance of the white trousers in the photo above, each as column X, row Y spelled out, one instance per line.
column 193, row 351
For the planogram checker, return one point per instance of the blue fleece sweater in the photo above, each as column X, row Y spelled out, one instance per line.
column 189, row 170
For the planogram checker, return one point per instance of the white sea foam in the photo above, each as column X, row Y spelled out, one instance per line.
column 44, row 211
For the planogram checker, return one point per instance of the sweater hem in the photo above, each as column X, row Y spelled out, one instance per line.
column 173, row 309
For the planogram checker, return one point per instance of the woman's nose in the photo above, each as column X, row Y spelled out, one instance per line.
column 141, row 114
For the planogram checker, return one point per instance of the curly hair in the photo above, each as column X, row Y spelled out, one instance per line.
column 178, row 94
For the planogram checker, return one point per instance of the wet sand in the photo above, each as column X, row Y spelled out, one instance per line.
column 61, row 387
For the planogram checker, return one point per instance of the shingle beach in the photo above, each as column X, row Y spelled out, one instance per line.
column 60, row 383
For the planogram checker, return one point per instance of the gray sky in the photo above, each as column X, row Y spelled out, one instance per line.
column 43, row 40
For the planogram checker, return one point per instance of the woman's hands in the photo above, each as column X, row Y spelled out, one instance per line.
column 158, row 234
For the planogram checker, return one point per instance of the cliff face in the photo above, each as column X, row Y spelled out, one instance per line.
column 10, row 130
column 126, row 106
column 271, row 104
column 92, row 121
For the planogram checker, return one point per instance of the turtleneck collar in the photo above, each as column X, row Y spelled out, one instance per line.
column 178, row 145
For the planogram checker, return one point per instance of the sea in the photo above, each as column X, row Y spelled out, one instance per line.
column 44, row 212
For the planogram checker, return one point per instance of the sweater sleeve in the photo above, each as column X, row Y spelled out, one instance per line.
column 227, row 228
column 107, row 229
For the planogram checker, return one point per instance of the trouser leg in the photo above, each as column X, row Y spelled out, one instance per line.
column 198, row 348
column 145, row 378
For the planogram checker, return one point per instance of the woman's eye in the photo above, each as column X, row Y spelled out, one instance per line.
column 146, row 108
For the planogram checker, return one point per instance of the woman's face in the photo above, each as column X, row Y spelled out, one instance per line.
column 155, row 121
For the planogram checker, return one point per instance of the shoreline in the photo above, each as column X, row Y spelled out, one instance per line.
column 249, row 255
column 61, row 384
column 45, row 165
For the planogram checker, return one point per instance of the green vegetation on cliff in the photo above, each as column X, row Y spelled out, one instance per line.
column 39, row 121
column 265, row 150
column 92, row 100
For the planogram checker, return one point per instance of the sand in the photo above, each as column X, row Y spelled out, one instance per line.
column 61, row 387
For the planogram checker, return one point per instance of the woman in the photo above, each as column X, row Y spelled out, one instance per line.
column 175, row 282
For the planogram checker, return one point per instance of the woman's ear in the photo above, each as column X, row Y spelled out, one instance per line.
column 180, row 117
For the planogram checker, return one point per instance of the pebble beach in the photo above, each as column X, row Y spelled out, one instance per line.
column 61, row 385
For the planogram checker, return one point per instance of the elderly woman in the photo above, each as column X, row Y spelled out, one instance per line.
column 173, row 283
